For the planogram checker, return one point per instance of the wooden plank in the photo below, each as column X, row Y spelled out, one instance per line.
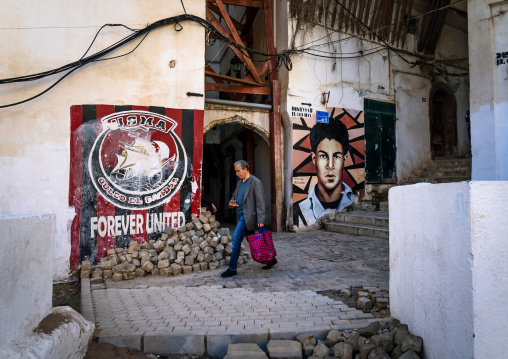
column 406, row 25
column 213, row 20
column 265, row 90
column 276, row 162
column 232, row 96
column 387, row 19
column 262, row 70
column 361, row 7
column 246, row 60
column 436, row 34
column 355, row 23
column 270, row 38
column 366, row 13
column 340, row 17
column 375, row 18
column 424, row 29
column 215, row 9
column 351, row 20
column 248, row 3
column 217, row 76
column 334, row 13
column 396, row 20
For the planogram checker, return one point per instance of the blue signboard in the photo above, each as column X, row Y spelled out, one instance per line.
column 322, row 117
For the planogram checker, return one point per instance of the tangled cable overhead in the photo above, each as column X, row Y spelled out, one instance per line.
column 283, row 58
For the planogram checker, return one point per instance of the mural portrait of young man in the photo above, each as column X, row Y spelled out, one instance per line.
column 328, row 164
column 134, row 171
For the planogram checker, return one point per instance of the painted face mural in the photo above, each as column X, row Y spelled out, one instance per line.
column 134, row 171
column 328, row 164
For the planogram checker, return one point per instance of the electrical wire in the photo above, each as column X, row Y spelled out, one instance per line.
column 283, row 58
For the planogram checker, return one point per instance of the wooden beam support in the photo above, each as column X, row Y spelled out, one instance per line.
column 244, row 81
column 247, row 61
column 213, row 20
column 232, row 96
column 216, row 10
column 248, row 3
column 276, row 164
column 265, row 90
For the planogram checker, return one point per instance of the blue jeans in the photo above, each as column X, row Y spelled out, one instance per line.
column 240, row 233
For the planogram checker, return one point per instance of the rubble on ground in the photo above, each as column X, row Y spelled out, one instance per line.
column 384, row 339
column 199, row 245
column 373, row 300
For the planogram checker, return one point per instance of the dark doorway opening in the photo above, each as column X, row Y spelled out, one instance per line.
column 443, row 122
column 380, row 144
column 223, row 146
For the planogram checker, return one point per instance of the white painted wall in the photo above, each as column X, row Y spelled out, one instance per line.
column 488, row 25
column 26, row 263
column 448, row 267
column 489, row 232
column 34, row 137
column 413, row 124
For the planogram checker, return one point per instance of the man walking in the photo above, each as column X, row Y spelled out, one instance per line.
column 248, row 199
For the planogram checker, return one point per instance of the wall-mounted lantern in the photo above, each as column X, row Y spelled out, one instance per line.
column 325, row 97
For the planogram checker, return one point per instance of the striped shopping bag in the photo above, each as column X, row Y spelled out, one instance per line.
column 261, row 246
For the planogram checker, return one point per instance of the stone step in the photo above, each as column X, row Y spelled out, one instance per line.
column 436, row 174
column 442, row 179
column 378, row 219
column 357, row 229
column 452, row 161
column 438, row 167
column 369, row 206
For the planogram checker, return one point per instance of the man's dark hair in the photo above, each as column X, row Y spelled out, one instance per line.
column 243, row 164
column 334, row 130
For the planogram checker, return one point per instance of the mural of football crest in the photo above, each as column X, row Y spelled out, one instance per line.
column 137, row 162
column 134, row 171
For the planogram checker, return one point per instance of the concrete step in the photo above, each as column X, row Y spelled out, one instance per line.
column 370, row 206
column 446, row 168
column 378, row 219
column 357, row 229
column 452, row 161
column 442, row 179
column 436, row 174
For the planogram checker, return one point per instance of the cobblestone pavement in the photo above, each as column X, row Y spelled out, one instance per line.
column 282, row 299
column 315, row 260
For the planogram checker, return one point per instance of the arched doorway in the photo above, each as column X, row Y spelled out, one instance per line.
column 223, row 145
column 443, row 121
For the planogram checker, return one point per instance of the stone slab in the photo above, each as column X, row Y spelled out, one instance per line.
column 159, row 343
column 217, row 344
column 128, row 341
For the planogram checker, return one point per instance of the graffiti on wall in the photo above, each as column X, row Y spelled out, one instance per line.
column 134, row 171
column 328, row 164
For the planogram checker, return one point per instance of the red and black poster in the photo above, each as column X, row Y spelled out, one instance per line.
column 134, row 171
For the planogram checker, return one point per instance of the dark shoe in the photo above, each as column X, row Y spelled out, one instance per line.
column 270, row 264
column 228, row 273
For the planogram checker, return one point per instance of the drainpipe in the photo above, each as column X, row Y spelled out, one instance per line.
column 217, row 101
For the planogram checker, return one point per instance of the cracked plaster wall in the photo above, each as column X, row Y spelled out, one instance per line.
column 35, row 136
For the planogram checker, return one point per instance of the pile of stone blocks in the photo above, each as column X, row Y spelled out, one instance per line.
column 385, row 339
column 369, row 299
column 199, row 245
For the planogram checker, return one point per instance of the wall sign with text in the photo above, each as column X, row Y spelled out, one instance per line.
column 501, row 58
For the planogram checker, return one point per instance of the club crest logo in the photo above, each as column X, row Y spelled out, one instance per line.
column 137, row 162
